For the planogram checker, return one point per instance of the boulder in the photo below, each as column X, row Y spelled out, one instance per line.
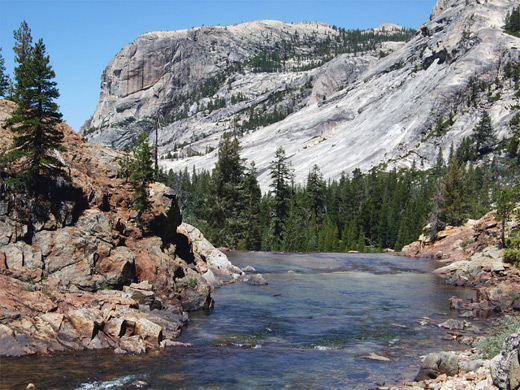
column 435, row 364
column 254, row 279
column 95, row 223
column 471, row 365
column 222, row 271
column 119, row 268
column 452, row 324
column 140, row 292
column 148, row 330
column 8, row 344
column 505, row 367
column 133, row 344
column 115, row 327
column 196, row 297
column 86, row 321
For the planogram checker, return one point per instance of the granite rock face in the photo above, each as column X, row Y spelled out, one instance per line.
column 505, row 367
column 352, row 111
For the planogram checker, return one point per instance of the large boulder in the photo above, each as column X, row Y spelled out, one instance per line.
column 438, row 363
column 219, row 268
column 505, row 367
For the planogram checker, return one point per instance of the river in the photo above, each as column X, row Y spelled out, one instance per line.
column 311, row 327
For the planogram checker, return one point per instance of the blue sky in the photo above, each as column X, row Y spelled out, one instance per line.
column 82, row 36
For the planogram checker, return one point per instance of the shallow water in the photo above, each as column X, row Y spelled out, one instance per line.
column 311, row 327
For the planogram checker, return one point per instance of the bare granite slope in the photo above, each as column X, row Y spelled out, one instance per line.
column 354, row 111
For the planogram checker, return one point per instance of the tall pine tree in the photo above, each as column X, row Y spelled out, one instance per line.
column 453, row 196
column 34, row 121
column 23, row 48
column 251, row 214
column 225, row 203
column 281, row 176
column 316, row 194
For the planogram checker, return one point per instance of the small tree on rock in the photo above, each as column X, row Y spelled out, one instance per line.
column 505, row 208
column 142, row 173
column 484, row 136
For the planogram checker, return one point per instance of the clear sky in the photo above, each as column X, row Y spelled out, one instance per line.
column 82, row 36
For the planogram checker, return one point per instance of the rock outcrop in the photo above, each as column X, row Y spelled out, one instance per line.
column 421, row 97
column 77, row 272
column 450, row 371
column 505, row 367
column 472, row 257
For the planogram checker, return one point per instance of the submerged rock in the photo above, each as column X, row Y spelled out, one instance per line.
column 254, row 279
column 376, row 357
column 453, row 324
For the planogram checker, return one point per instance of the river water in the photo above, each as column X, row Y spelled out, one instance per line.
column 311, row 327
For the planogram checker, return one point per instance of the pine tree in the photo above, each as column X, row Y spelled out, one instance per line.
column 294, row 231
column 435, row 222
column 226, row 201
column 440, row 165
column 514, row 125
column 125, row 164
column 512, row 25
column 34, row 121
column 505, row 208
column 361, row 242
column 22, row 49
column 281, row 176
column 315, row 190
column 251, row 215
column 484, row 136
column 142, row 174
column 453, row 194
column 4, row 78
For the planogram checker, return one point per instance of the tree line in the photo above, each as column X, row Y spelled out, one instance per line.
column 370, row 211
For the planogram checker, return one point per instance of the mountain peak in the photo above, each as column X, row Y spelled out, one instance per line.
column 388, row 27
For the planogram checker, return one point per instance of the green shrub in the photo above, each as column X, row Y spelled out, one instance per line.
column 49, row 294
column 512, row 256
column 465, row 243
column 193, row 282
column 491, row 345
column 512, row 251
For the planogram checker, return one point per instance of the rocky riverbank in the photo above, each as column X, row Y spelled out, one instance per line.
column 80, row 273
column 472, row 257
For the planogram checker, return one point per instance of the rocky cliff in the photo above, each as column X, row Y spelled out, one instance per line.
column 76, row 271
column 391, row 103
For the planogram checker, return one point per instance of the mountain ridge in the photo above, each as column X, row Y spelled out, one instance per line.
column 395, row 93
